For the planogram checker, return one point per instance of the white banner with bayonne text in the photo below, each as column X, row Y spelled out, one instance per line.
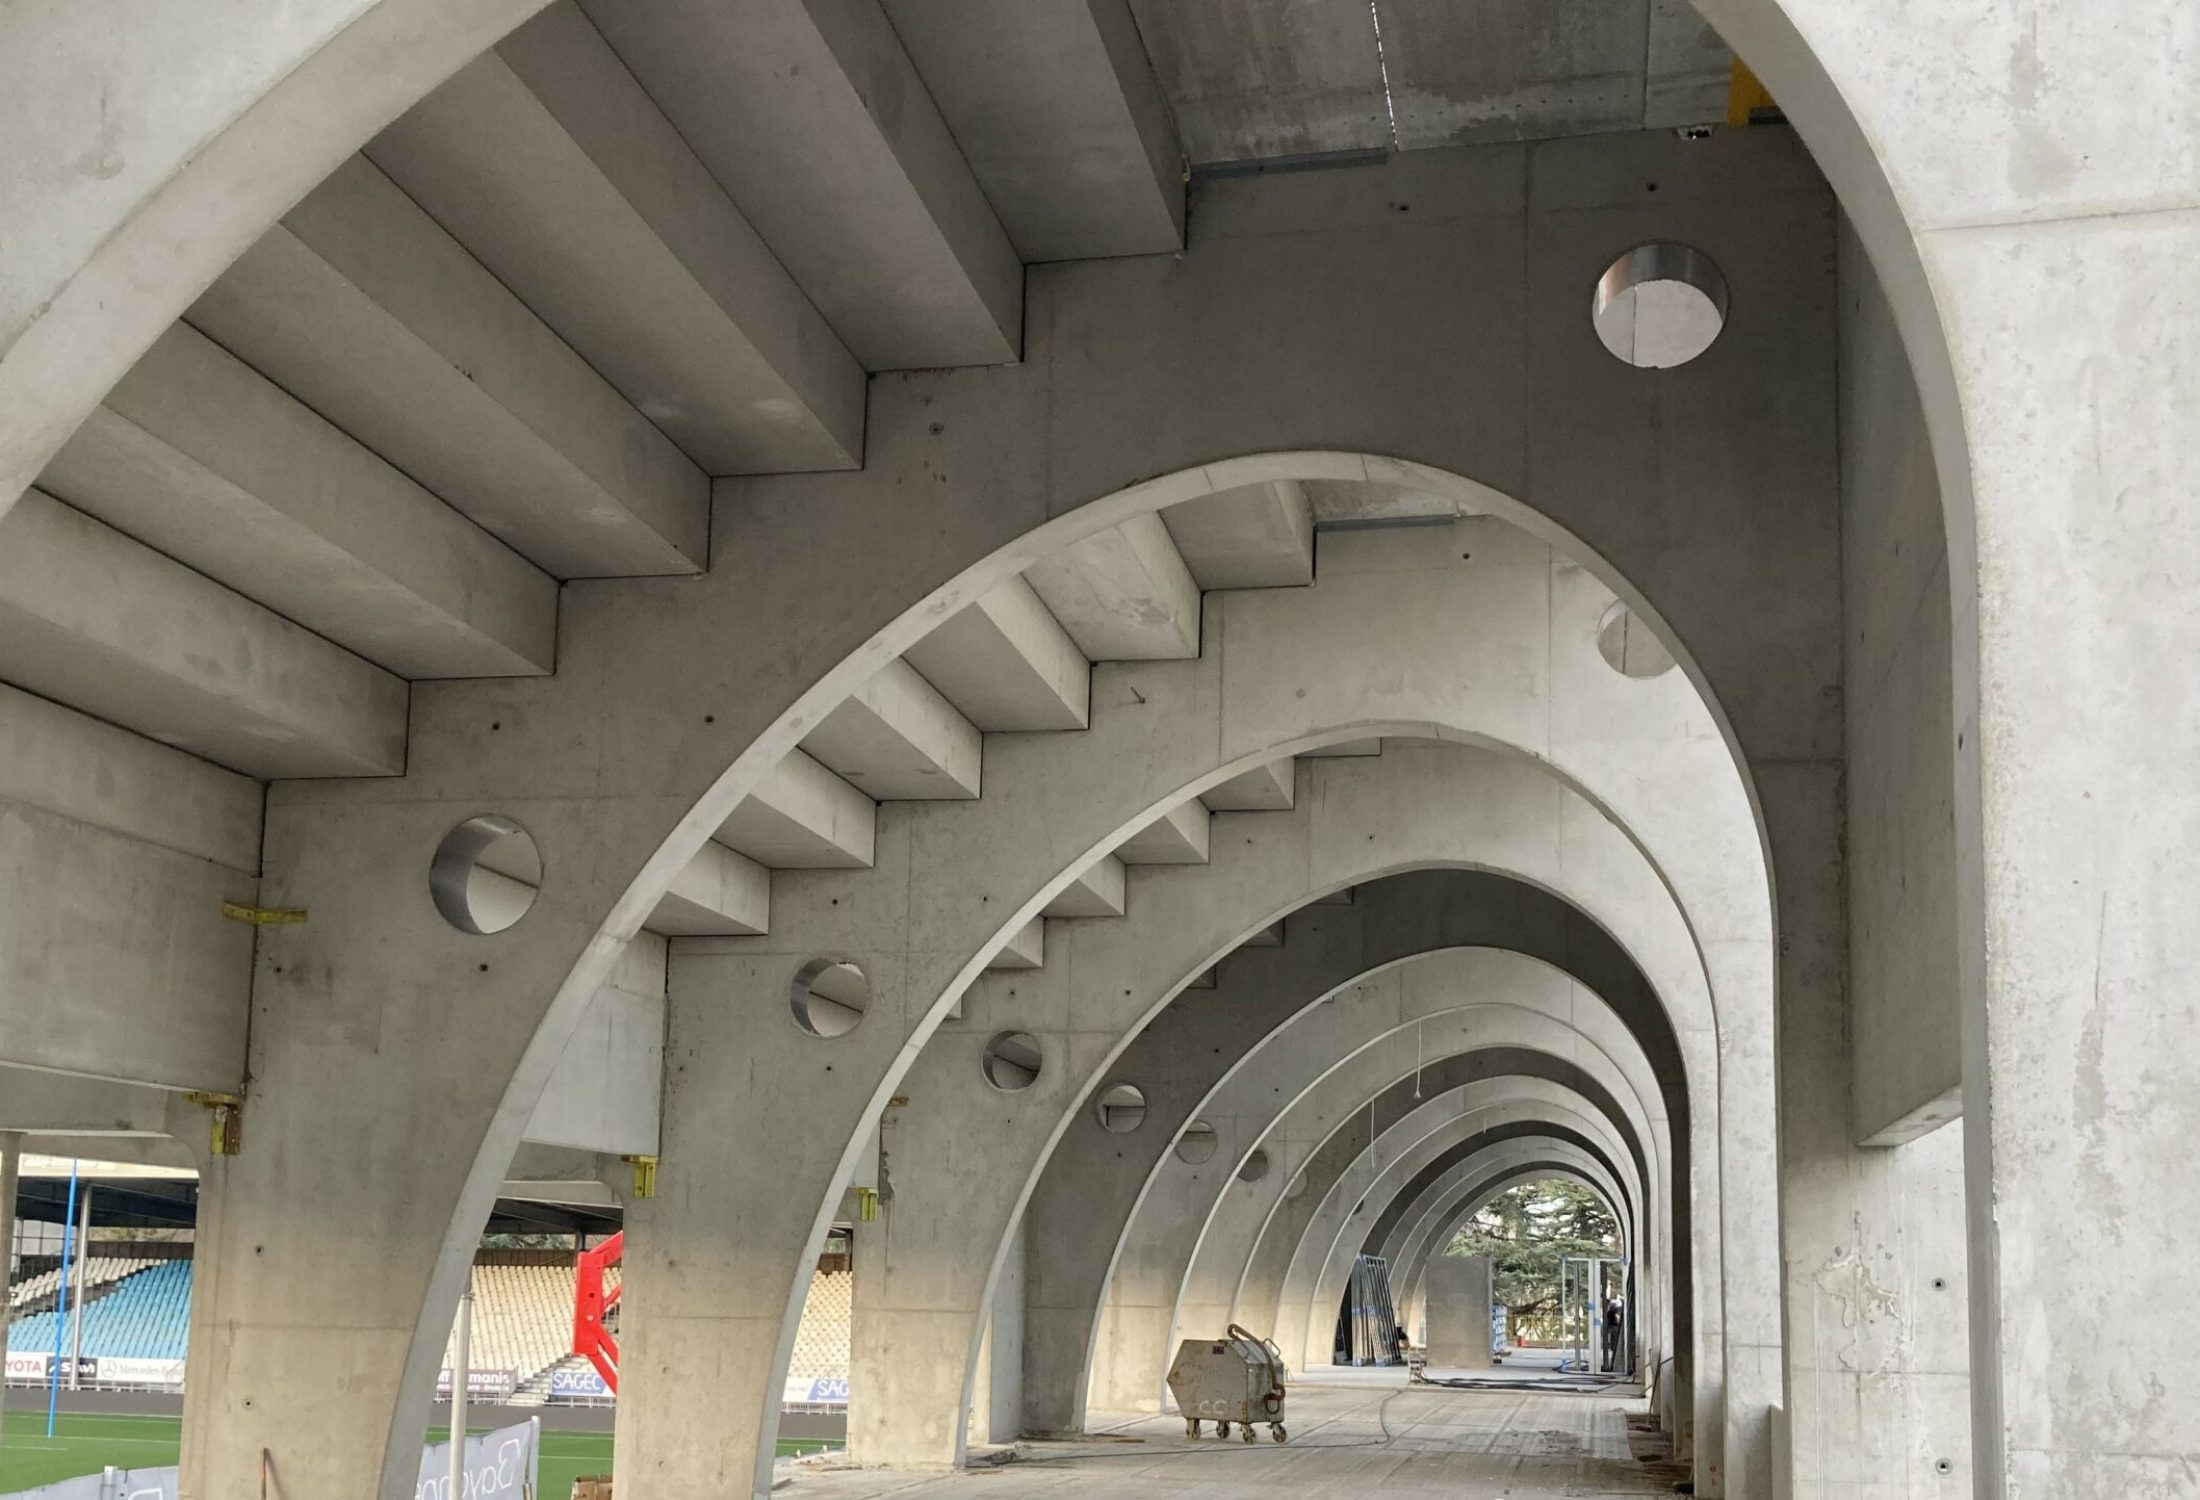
column 500, row 1465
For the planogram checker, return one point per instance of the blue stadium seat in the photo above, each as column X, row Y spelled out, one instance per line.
column 146, row 1316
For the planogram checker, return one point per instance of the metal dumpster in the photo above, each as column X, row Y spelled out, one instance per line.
column 1234, row 1379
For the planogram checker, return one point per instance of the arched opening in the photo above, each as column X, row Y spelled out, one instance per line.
column 710, row 743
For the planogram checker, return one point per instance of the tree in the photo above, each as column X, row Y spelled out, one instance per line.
column 1527, row 1231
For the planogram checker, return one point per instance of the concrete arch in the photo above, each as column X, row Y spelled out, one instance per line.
column 1175, row 1224
column 1488, row 1172
column 1396, row 1219
column 1345, row 1153
column 1328, row 946
column 1155, row 1293
column 1180, row 1243
column 608, row 851
column 1308, row 1253
column 1465, row 1191
column 980, row 1180
column 1458, row 1175
column 1321, row 1258
column 614, row 848
column 1851, row 101
column 1266, row 864
column 952, row 883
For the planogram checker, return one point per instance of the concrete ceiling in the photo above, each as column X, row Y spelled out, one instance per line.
column 1256, row 80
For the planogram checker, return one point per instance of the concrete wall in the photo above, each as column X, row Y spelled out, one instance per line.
column 607, row 1091
column 1904, row 1022
column 1457, row 1296
column 116, row 854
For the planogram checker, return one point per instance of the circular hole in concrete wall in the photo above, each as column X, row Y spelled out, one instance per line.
column 1121, row 1108
column 1298, row 1186
column 485, row 874
column 1660, row 305
column 829, row 997
column 1630, row 647
column 1197, row 1143
column 1255, row 1167
column 1012, row 1061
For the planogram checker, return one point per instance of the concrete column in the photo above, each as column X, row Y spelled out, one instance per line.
column 2081, row 1081
column 1877, row 1386
column 2049, row 312
column 997, row 1408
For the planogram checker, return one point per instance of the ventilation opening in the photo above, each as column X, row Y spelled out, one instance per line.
column 1197, row 1144
column 1660, row 305
column 1630, row 647
column 1012, row 1061
column 829, row 997
column 485, row 874
column 1121, row 1108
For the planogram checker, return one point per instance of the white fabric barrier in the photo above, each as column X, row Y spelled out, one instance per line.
column 500, row 1465
column 115, row 1484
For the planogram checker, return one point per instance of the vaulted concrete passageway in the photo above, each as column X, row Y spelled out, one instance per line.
column 755, row 609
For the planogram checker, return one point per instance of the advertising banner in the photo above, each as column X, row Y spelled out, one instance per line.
column 581, row 1384
column 481, row 1385
column 817, row 1390
column 100, row 1370
column 123, row 1370
column 500, row 1465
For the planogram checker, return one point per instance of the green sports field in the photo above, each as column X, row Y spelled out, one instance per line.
column 86, row 1444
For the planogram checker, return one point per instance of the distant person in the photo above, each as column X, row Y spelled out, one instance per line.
column 1416, row 1364
column 1615, row 1330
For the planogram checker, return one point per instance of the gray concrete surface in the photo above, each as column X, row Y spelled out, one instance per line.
column 1344, row 1438
column 2021, row 183
column 1458, row 1292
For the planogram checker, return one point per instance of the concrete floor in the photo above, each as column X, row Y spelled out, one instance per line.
column 1346, row 1439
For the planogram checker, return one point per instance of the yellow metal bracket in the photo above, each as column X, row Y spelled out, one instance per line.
column 264, row 916
column 867, row 1204
column 645, row 1175
column 228, row 1114
column 1747, row 99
